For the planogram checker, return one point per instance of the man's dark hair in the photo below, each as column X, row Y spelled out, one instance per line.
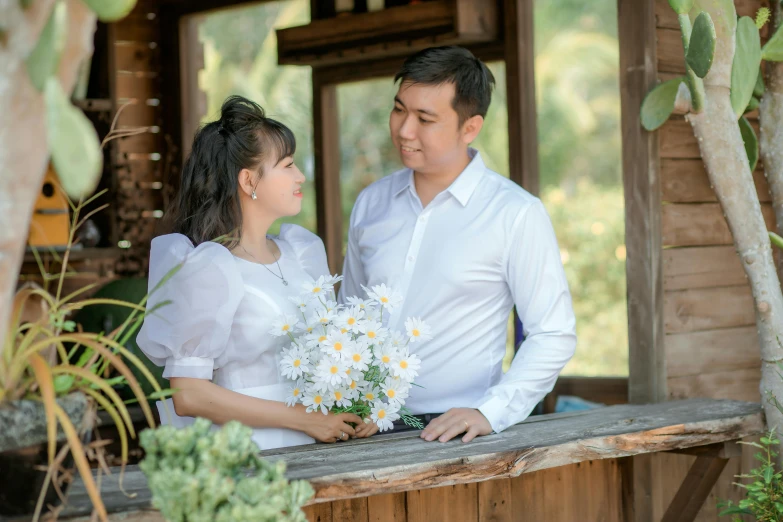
column 472, row 80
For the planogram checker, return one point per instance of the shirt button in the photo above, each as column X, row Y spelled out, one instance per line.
column 411, row 258
column 422, row 219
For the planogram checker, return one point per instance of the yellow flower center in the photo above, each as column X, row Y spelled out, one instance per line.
column 296, row 392
column 353, row 385
column 384, row 300
column 404, row 364
column 371, row 334
column 309, row 329
column 357, row 357
column 348, row 371
column 334, row 370
column 370, row 396
column 324, row 320
column 297, row 363
column 416, row 333
column 381, row 414
column 386, row 359
column 338, row 347
column 351, row 321
column 318, row 399
column 316, row 289
column 338, row 396
column 390, row 393
column 343, row 330
column 322, row 339
column 286, row 327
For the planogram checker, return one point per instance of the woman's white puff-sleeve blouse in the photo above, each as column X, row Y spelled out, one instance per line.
column 221, row 309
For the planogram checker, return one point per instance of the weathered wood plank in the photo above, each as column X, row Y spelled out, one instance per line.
column 677, row 139
column 666, row 17
column 456, row 502
column 350, row 510
column 701, row 224
column 136, row 56
column 695, row 353
column 701, row 267
column 671, row 58
column 708, row 309
column 387, row 508
column 740, row 384
column 494, row 501
column 319, row 512
column 404, row 462
column 686, row 181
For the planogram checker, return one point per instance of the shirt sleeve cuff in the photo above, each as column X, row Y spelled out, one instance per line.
column 193, row 367
column 495, row 410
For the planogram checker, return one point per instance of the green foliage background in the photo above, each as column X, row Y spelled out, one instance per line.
column 577, row 90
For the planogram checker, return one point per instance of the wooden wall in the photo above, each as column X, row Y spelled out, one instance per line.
column 588, row 491
column 142, row 162
column 710, row 345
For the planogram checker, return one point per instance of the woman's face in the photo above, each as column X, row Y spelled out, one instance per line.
column 279, row 189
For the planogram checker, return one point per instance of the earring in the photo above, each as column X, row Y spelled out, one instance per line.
column 253, row 195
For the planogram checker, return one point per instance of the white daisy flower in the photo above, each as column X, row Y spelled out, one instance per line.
column 362, row 304
column 417, row 330
column 351, row 318
column 332, row 372
column 354, row 388
column 374, row 332
column 397, row 339
column 385, row 296
column 284, row 325
column 295, row 363
column 337, row 344
column 406, row 366
column 317, row 288
column 305, row 328
column 333, row 279
column 295, row 392
column 300, row 301
column 359, row 357
column 371, row 393
column 395, row 390
column 331, row 306
column 322, row 317
column 315, row 400
column 340, row 398
column 315, row 339
column 385, row 355
column 384, row 415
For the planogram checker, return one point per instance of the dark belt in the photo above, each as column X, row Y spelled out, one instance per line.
column 424, row 418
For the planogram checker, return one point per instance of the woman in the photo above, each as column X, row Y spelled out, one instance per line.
column 213, row 337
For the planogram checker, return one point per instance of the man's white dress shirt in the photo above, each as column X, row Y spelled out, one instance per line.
column 480, row 247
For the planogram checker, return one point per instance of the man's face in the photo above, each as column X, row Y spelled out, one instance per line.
column 424, row 127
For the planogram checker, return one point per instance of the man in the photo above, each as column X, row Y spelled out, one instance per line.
column 463, row 245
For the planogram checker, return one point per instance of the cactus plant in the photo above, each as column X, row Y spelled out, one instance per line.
column 721, row 90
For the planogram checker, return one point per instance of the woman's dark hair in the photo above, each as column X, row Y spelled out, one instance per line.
column 472, row 79
column 207, row 204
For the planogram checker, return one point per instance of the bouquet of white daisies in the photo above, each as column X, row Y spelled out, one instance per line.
column 342, row 359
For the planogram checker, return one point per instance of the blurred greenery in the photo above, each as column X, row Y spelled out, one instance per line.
column 578, row 101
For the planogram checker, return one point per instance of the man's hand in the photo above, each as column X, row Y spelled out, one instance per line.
column 456, row 421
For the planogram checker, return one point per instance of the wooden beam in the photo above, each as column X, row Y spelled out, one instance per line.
column 193, row 99
column 521, row 94
column 326, row 152
column 644, row 274
column 696, row 487
column 396, row 462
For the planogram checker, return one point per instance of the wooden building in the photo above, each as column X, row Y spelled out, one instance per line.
column 691, row 320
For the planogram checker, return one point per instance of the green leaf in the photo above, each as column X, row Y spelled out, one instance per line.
column 701, row 48
column 659, row 104
column 735, row 510
column 746, row 64
column 681, row 6
column 773, row 49
column 759, row 88
column 73, row 142
column 776, row 240
column 111, row 10
column 750, row 141
column 62, row 383
column 753, row 104
column 45, row 57
column 768, row 472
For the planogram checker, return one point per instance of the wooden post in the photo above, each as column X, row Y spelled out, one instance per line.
column 521, row 94
column 326, row 152
column 191, row 59
column 642, row 233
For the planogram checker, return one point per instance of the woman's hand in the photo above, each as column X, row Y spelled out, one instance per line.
column 331, row 427
column 366, row 429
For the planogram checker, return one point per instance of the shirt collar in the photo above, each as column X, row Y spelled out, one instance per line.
column 461, row 188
